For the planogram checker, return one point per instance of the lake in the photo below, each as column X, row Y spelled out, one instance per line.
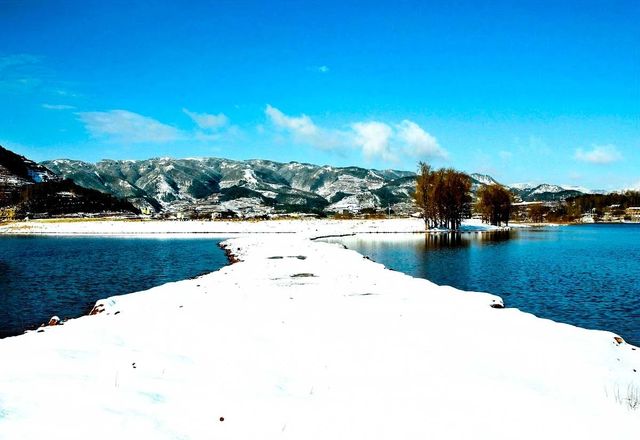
column 586, row 275
column 42, row 276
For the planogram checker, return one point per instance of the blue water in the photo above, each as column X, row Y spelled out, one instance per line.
column 586, row 275
column 65, row 276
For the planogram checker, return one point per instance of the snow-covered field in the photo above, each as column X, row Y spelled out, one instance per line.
column 303, row 339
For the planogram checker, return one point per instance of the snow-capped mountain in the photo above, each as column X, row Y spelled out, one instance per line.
column 483, row 179
column 165, row 184
column 529, row 192
column 522, row 186
column 254, row 187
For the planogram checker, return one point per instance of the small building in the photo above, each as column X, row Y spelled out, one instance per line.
column 633, row 213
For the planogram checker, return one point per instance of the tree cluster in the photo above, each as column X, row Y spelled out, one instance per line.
column 443, row 196
column 538, row 212
column 598, row 203
column 494, row 204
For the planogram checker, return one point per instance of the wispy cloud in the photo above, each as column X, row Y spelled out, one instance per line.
column 304, row 130
column 20, row 71
column 58, row 106
column 65, row 93
column 599, row 154
column 207, row 121
column 126, row 126
column 29, row 73
column 18, row 60
column 375, row 139
column 319, row 69
column 298, row 125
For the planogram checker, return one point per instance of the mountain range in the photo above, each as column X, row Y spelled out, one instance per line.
column 260, row 186
column 207, row 186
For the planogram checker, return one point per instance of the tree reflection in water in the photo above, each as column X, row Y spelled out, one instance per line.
column 442, row 240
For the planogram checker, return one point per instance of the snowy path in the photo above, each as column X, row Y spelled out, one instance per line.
column 306, row 340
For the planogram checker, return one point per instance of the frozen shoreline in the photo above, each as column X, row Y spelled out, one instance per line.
column 306, row 227
column 303, row 339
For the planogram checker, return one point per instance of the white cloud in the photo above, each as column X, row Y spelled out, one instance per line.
column 126, row 126
column 380, row 140
column 323, row 69
column 300, row 126
column 374, row 139
column 208, row 121
column 58, row 107
column 599, row 154
column 417, row 142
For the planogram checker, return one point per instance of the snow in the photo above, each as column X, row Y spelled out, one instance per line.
column 250, row 176
column 546, row 188
column 522, row 186
column 484, row 178
column 348, row 184
column 582, row 189
column 355, row 203
column 223, row 228
column 247, row 206
column 163, row 187
column 307, row 340
column 269, row 194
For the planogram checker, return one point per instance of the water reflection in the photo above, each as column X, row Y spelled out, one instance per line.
column 464, row 239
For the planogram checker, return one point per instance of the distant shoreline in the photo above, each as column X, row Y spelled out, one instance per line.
column 307, row 227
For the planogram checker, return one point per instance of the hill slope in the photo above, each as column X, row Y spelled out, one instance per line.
column 28, row 188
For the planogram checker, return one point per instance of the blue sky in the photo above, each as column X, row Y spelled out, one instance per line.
column 540, row 91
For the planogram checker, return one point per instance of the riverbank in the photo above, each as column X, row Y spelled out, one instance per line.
column 305, row 227
column 303, row 339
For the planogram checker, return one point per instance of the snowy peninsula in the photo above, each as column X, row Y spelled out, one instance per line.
column 303, row 339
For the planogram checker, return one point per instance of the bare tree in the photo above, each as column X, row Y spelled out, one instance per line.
column 443, row 196
column 494, row 204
